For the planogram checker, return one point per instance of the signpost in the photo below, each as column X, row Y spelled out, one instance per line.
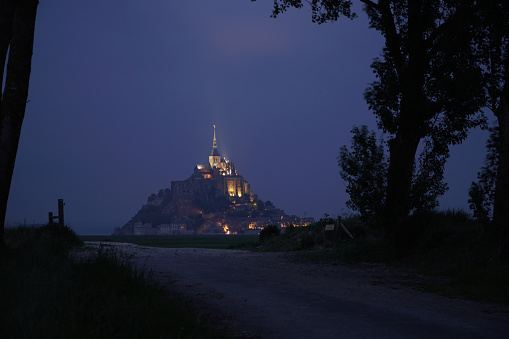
column 333, row 232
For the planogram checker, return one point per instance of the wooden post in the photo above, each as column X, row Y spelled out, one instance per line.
column 60, row 215
column 339, row 228
column 61, row 212
column 342, row 227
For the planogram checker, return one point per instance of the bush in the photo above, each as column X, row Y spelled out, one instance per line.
column 290, row 231
column 431, row 232
column 48, row 237
column 307, row 240
column 294, row 238
column 268, row 232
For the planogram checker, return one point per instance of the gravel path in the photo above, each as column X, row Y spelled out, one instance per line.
column 273, row 295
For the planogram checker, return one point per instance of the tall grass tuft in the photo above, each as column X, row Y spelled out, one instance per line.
column 47, row 292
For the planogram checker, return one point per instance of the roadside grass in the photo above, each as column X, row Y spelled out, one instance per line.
column 448, row 253
column 50, row 288
column 186, row 241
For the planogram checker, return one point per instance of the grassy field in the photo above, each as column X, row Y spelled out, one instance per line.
column 195, row 241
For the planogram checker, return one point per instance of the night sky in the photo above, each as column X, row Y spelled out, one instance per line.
column 123, row 96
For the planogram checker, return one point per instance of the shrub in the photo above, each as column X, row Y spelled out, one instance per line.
column 268, row 232
column 364, row 168
column 439, row 232
column 48, row 237
column 290, row 231
column 307, row 240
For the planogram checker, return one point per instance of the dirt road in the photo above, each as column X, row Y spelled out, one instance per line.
column 272, row 295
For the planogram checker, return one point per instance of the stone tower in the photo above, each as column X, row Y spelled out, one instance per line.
column 214, row 157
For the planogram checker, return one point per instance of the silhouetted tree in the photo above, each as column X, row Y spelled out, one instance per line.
column 428, row 177
column 364, row 168
column 482, row 192
column 491, row 44
column 17, row 23
column 427, row 84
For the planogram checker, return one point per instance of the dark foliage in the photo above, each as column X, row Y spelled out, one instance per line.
column 491, row 42
column 428, row 178
column 428, row 231
column 51, row 236
column 321, row 11
column 290, row 231
column 297, row 238
column 217, row 204
column 268, row 232
column 482, row 191
column 364, row 169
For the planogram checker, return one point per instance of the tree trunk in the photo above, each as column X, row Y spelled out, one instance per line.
column 399, row 181
column 412, row 113
column 501, row 205
column 6, row 16
column 14, row 96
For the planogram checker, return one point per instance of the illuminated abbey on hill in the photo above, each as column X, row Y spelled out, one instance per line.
column 214, row 199
column 228, row 181
column 209, row 182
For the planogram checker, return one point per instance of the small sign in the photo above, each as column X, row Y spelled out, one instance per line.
column 329, row 227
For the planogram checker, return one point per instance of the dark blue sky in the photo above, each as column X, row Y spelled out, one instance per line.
column 123, row 96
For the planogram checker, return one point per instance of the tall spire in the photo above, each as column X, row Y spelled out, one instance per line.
column 214, row 157
column 214, row 144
